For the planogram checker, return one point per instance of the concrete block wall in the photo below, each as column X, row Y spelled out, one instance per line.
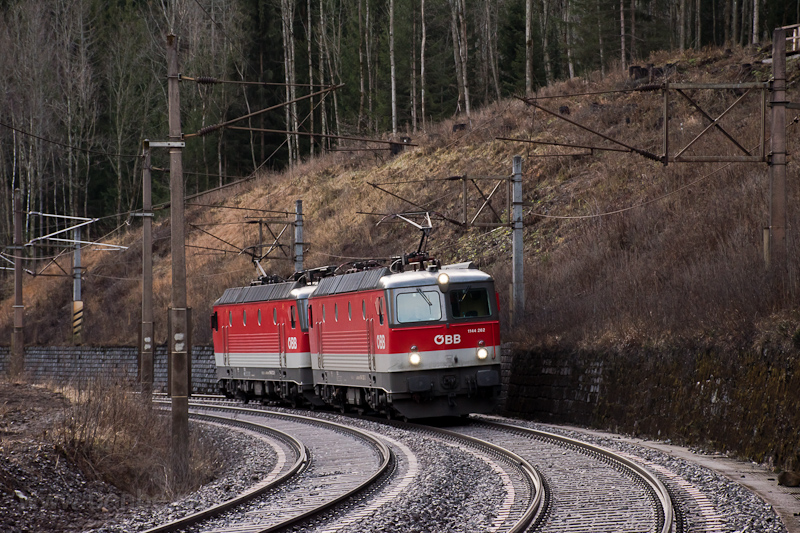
column 62, row 364
column 553, row 387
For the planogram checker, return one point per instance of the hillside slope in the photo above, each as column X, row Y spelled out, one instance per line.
column 618, row 248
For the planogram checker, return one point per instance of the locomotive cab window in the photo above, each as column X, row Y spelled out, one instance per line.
column 418, row 306
column 469, row 302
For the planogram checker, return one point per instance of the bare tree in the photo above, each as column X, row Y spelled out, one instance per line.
column 622, row 34
column 422, row 60
column 290, row 112
column 79, row 107
column 682, row 24
column 458, row 26
column 392, row 67
column 568, row 38
column 128, row 100
column 529, row 46
column 361, row 80
column 544, row 25
column 414, row 71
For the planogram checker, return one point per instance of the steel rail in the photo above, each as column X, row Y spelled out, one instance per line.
column 383, row 451
column 536, row 507
column 657, row 488
column 248, row 495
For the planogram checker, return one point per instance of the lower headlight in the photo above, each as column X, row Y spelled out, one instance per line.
column 414, row 358
column 483, row 353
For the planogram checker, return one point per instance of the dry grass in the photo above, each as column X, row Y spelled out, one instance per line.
column 687, row 262
column 113, row 435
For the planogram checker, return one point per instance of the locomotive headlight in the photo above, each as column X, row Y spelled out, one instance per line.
column 443, row 279
column 413, row 356
column 482, row 352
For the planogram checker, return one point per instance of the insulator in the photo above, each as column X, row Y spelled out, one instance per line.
column 208, row 129
column 208, row 80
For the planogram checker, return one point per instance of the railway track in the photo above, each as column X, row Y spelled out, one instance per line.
column 525, row 478
column 321, row 478
column 589, row 488
column 521, row 487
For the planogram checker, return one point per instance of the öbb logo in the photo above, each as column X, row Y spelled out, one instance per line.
column 447, row 339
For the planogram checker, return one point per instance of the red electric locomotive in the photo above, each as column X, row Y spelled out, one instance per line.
column 260, row 337
column 419, row 344
column 416, row 344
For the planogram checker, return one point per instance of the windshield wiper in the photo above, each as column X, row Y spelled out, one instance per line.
column 466, row 291
column 430, row 304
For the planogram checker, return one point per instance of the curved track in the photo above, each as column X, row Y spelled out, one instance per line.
column 589, row 488
column 550, row 482
column 320, row 477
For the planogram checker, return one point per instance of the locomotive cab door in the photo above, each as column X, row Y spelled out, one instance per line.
column 226, row 353
column 282, row 344
column 371, row 343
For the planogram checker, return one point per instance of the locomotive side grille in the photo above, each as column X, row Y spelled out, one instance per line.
column 254, row 342
column 346, row 342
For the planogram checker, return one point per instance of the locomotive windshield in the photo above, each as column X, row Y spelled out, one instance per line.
column 418, row 306
column 470, row 302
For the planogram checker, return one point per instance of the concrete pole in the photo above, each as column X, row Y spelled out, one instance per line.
column 17, row 363
column 777, row 161
column 146, row 331
column 517, row 279
column 179, row 334
column 77, row 301
column 298, row 236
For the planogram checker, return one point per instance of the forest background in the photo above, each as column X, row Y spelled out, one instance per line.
column 83, row 82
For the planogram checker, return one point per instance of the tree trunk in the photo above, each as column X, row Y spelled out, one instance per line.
column 697, row 26
column 462, row 51
column 456, row 53
column 544, row 21
column 392, row 67
column 361, row 94
column 568, row 39
column 422, row 62
column 286, row 23
column 462, row 48
column 622, row 34
column 632, row 54
column 726, row 17
column 322, row 52
column 373, row 126
column 309, row 32
column 414, row 70
column 491, row 36
column 755, row 22
column 682, row 24
column 600, row 42
column 529, row 47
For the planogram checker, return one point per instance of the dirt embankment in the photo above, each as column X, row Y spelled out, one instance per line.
column 39, row 490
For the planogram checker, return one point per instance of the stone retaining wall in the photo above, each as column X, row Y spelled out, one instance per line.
column 740, row 401
column 62, row 364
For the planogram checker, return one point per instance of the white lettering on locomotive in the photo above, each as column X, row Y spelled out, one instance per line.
column 292, row 342
column 447, row 339
column 381, row 342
